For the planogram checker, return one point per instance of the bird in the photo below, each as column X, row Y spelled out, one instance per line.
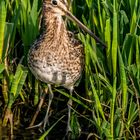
column 57, row 57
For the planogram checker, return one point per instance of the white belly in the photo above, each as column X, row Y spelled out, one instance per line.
column 52, row 74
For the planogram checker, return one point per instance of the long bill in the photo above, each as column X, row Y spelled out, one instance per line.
column 82, row 26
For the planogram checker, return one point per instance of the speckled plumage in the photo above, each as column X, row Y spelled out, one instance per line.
column 56, row 57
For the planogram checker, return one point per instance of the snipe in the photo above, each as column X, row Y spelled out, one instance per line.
column 57, row 57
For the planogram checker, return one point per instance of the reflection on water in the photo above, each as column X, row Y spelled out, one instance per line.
column 19, row 134
column 58, row 133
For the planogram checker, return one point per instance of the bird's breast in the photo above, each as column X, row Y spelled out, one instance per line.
column 59, row 68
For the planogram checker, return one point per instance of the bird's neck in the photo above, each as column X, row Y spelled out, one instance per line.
column 54, row 27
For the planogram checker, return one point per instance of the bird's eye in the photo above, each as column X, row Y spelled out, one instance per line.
column 54, row 2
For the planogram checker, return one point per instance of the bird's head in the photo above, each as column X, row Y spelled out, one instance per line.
column 58, row 7
column 61, row 8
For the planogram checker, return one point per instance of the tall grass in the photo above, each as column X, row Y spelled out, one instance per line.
column 111, row 99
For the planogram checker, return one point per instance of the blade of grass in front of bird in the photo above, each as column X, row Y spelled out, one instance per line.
column 74, row 99
column 48, row 131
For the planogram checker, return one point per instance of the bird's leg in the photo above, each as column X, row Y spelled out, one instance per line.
column 42, row 98
column 69, row 112
column 48, row 108
column 45, row 120
column 39, row 107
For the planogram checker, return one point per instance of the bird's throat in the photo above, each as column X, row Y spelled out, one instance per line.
column 54, row 27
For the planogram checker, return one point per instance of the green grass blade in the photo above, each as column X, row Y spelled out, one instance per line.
column 132, row 113
column 100, row 16
column 48, row 131
column 74, row 99
column 18, row 80
column 108, row 42
column 98, row 103
column 133, row 25
column 138, row 53
column 2, row 26
column 7, row 38
column 34, row 12
column 124, row 89
column 115, row 39
column 2, row 67
column 112, row 110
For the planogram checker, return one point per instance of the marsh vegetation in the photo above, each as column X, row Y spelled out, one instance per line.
column 106, row 103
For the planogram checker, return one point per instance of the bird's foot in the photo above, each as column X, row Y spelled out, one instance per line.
column 41, row 125
column 45, row 122
column 68, row 133
column 35, row 126
column 69, row 130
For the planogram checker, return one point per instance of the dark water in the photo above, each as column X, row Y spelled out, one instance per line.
column 23, row 134
column 19, row 134
column 32, row 134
